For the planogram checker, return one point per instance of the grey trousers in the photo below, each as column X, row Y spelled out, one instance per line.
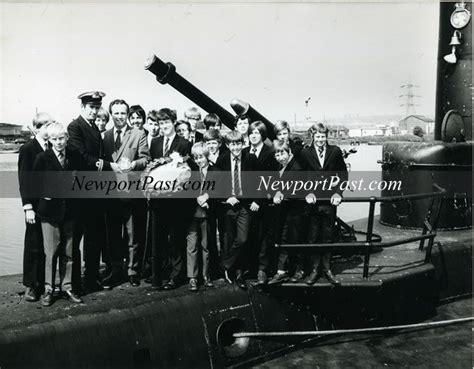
column 197, row 227
column 57, row 239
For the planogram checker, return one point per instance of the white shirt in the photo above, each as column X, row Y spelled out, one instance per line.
column 149, row 138
column 322, row 156
column 213, row 157
column 259, row 149
column 282, row 170
column 232, row 168
column 57, row 155
column 87, row 120
column 43, row 143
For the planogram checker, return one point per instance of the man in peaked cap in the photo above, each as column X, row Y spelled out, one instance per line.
column 85, row 137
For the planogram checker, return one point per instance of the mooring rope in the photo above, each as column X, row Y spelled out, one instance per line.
column 350, row 331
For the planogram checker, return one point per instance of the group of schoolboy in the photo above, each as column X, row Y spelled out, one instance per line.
column 232, row 236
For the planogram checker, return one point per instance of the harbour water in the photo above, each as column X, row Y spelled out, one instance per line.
column 12, row 226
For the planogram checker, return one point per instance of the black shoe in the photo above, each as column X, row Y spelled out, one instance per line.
column 112, row 280
column 208, row 282
column 31, row 295
column 134, row 280
column 240, row 282
column 148, row 280
column 279, row 278
column 313, row 277
column 170, row 285
column 193, row 285
column 71, row 296
column 331, row 279
column 94, row 286
column 262, row 278
column 298, row 277
column 47, row 298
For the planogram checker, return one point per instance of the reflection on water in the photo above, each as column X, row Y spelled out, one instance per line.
column 12, row 226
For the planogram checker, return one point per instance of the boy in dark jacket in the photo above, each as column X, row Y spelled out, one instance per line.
column 56, row 213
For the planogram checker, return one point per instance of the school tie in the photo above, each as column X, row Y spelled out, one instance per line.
column 167, row 146
column 61, row 158
column 118, row 141
column 320, row 151
column 237, row 188
column 254, row 151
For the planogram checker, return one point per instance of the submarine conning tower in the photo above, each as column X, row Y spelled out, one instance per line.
column 447, row 160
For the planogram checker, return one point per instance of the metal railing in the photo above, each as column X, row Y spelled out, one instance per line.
column 365, row 247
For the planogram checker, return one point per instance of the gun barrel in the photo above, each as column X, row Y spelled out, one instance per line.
column 166, row 74
column 241, row 107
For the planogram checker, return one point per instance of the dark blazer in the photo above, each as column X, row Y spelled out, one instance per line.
column 133, row 146
column 179, row 145
column 196, row 177
column 266, row 159
column 56, row 180
column 198, row 137
column 333, row 165
column 292, row 172
column 249, row 183
column 87, row 140
column 26, row 160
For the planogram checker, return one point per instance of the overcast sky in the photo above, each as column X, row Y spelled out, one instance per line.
column 350, row 58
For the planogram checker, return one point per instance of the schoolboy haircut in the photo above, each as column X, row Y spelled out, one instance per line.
column 282, row 125
column 280, row 145
column 211, row 120
column 165, row 114
column 139, row 110
column 200, row 148
column 192, row 113
column 319, row 128
column 153, row 115
column 233, row 136
column 55, row 129
column 104, row 114
column 119, row 102
column 38, row 119
column 242, row 117
column 179, row 122
column 260, row 127
column 212, row 134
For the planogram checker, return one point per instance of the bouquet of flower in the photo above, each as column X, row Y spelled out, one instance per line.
column 165, row 175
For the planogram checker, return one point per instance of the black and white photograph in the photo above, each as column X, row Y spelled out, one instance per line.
column 203, row 184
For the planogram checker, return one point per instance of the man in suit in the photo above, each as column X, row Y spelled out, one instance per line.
column 33, row 256
column 128, row 148
column 262, row 221
column 235, row 186
column 321, row 161
column 169, row 215
column 56, row 212
column 85, row 137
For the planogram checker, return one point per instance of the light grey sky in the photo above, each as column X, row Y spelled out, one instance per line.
column 351, row 58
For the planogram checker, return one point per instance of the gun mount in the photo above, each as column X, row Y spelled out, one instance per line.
column 243, row 108
column 166, row 74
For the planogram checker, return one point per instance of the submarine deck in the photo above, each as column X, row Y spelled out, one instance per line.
column 385, row 266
